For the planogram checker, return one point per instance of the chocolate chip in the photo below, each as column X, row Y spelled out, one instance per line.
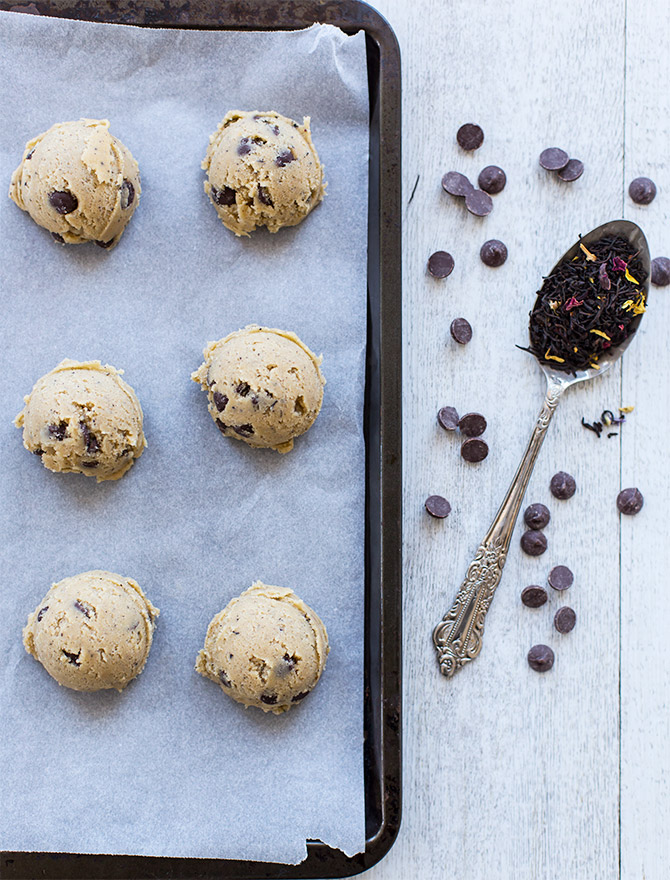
column 243, row 430
column 562, row 485
column 106, row 244
column 243, row 389
column 57, row 237
column 492, row 179
column 660, row 271
column 541, row 658
column 629, row 501
column 244, row 147
column 565, row 619
column 299, row 697
column 536, row 516
column 534, row 596
column 221, row 426
column 91, row 441
column 470, row 136
column 38, row 452
column 642, row 190
column 472, row 424
column 561, row 578
column 223, row 678
column 553, row 158
column 456, row 184
column 270, row 699
column 479, row 203
column 572, row 171
column 225, row 196
column 127, row 194
column 493, row 253
column 89, row 464
column 437, row 506
column 474, row 450
column 58, row 431
column 447, row 418
column 40, row 614
column 63, row 202
column 264, row 196
column 220, row 401
column 73, row 658
column 440, row 264
column 84, row 607
column 284, row 158
column 461, row 331
column 533, row 543
column 30, row 155
column 291, row 662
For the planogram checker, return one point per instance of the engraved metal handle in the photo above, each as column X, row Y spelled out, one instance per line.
column 458, row 637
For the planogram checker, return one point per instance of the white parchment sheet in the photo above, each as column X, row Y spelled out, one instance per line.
column 171, row 767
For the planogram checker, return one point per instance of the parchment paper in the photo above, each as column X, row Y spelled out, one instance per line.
column 171, row 766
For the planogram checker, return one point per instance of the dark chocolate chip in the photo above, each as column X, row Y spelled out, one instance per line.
column 553, row 158
column 225, row 196
column 284, row 158
column 127, row 194
column 270, row 699
column 437, row 506
column 220, row 401
column 642, row 190
column 493, row 253
column 38, row 452
column 534, row 596
column 299, row 697
column 221, row 426
column 264, row 196
column 562, row 485
column 561, row 578
column 440, row 264
column 73, row 658
column 492, row 179
column 223, row 678
column 106, row 244
column 244, row 147
column 536, row 516
column 565, row 619
column 461, row 331
column 629, row 501
column 479, row 203
column 541, row 658
column 660, row 271
column 448, row 418
column 456, row 184
column 290, row 661
column 63, row 202
column 475, row 449
column 41, row 612
column 91, row 441
column 89, row 464
column 58, row 237
column 472, row 424
column 533, row 542
column 58, row 431
column 84, row 607
column 572, row 171
column 243, row 430
column 30, row 155
column 470, row 136
column 242, row 389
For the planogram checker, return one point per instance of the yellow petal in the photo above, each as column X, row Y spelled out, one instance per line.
column 589, row 256
column 630, row 277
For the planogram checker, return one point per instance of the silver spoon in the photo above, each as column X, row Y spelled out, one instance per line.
column 458, row 637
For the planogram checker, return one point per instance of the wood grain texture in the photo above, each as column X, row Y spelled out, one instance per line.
column 507, row 773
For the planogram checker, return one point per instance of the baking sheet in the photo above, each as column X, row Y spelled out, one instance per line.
column 171, row 767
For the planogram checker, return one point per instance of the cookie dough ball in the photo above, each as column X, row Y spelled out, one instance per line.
column 264, row 386
column 78, row 181
column 83, row 418
column 92, row 631
column 265, row 649
column 262, row 170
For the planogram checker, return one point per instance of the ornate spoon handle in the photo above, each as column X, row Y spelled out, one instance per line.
column 458, row 637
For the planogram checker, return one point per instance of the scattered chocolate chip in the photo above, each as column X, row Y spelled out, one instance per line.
column 270, row 699
column 553, row 158
column 89, row 464
column 470, row 136
column 30, row 155
column 541, row 658
column 561, row 578
column 536, row 516
column 284, row 158
column 642, row 190
column 63, row 202
column 474, row 450
column 448, row 418
column 225, row 196
column 534, row 596
column 565, row 619
column 572, row 171
column 264, row 196
column 562, row 485
column 38, row 452
column 58, row 237
column 533, row 542
column 223, row 678
column 127, row 194
column 437, row 506
column 72, row 658
column 299, row 697
column 492, row 179
column 493, row 253
column 220, row 401
column 461, row 331
column 660, row 271
column 106, row 244
column 456, row 184
column 41, row 612
column 58, row 431
column 84, row 607
column 478, row 203
column 472, row 424
column 629, row 501
column 242, row 389
column 244, row 146
column 221, row 426
column 291, row 662
column 91, row 441
column 440, row 264
column 243, row 430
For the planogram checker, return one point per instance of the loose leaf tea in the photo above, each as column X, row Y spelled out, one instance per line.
column 587, row 305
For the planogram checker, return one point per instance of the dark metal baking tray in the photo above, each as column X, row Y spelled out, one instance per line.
column 383, row 433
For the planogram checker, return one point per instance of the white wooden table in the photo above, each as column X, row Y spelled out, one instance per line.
column 507, row 773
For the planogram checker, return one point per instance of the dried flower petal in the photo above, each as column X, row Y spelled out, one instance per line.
column 629, row 277
column 600, row 333
column 589, row 256
column 604, row 278
column 551, row 357
column 619, row 265
column 572, row 303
